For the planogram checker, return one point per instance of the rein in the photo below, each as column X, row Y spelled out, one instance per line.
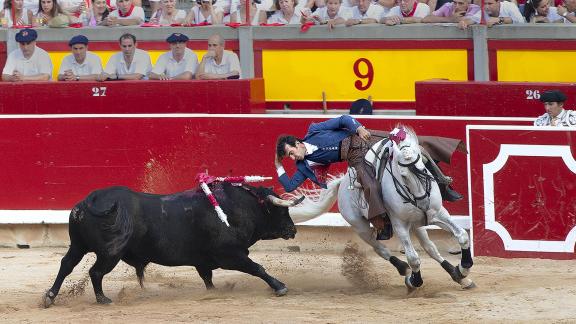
column 423, row 177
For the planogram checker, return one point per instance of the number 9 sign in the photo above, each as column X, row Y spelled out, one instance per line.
column 368, row 76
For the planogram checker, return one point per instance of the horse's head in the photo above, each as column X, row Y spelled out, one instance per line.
column 407, row 146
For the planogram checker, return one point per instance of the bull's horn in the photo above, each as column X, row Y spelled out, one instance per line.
column 284, row 203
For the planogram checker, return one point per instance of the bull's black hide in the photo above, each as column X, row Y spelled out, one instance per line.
column 173, row 230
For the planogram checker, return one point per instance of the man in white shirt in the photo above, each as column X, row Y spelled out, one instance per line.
column 218, row 64
column 81, row 64
column 555, row 114
column 28, row 62
column 366, row 12
column 498, row 12
column 408, row 12
column 179, row 63
column 127, row 14
column 130, row 63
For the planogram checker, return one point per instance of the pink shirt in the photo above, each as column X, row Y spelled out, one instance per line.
column 447, row 10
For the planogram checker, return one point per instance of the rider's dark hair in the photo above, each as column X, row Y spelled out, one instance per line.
column 281, row 144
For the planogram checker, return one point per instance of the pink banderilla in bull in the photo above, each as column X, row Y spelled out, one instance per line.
column 205, row 179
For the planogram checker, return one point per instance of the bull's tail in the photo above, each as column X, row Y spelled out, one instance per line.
column 317, row 202
column 114, row 207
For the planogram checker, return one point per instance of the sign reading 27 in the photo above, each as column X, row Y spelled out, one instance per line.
column 364, row 64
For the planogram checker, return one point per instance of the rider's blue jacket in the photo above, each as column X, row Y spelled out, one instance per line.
column 327, row 136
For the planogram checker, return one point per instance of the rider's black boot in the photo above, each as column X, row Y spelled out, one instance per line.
column 443, row 181
column 386, row 232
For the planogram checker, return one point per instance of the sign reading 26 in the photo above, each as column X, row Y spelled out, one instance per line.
column 365, row 65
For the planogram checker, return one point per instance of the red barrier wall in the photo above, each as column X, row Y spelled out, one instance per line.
column 132, row 97
column 53, row 162
column 523, row 188
column 496, row 99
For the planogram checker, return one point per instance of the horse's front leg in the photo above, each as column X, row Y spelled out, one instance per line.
column 441, row 218
column 403, row 232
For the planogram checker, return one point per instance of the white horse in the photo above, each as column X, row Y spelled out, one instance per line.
column 414, row 204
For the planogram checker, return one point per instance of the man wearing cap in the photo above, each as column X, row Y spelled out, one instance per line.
column 130, row 63
column 28, row 62
column 218, row 63
column 555, row 114
column 179, row 63
column 81, row 64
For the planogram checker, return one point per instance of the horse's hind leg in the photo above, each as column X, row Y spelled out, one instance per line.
column 69, row 261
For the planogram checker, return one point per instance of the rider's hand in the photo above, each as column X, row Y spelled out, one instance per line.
column 363, row 133
column 277, row 161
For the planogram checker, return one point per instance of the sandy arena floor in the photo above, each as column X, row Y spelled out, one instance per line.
column 326, row 286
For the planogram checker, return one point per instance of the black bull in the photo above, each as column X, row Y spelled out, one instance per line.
column 173, row 230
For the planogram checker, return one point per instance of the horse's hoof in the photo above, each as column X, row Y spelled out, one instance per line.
column 281, row 292
column 467, row 284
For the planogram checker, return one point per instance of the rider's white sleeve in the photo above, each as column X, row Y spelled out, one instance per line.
column 280, row 170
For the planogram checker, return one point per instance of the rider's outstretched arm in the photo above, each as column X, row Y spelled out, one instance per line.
column 290, row 184
column 343, row 122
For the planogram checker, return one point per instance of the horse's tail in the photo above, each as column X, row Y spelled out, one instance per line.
column 317, row 201
column 113, row 206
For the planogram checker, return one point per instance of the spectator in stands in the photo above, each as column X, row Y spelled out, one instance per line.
column 285, row 13
column 204, row 13
column 130, row 63
column 408, row 12
column 366, row 12
column 332, row 14
column 74, row 8
column 167, row 14
column 218, row 63
column 179, row 63
column 461, row 12
column 386, row 5
column 97, row 14
column 498, row 12
column 568, row 10
column 47, row 10
column 127, row 14
column 539, row 11
column 28, row 62
column 555, row 114
column 238, row 13
column 14, row 14
column 81, row 64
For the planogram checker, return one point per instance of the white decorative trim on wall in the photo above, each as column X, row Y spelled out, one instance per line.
column 61, row 217
column 507, row 150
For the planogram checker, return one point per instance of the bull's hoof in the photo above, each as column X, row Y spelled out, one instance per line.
column 48, row 299
column 103, row 300
column 281, row 292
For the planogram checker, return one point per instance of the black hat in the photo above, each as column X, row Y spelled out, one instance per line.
column 177, row 38
column 26, row 35
column 78, row 39
column 553, row 96
column 361, row 107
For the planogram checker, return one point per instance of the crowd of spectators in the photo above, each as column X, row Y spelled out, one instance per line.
column 60, row 13
column 31, row 63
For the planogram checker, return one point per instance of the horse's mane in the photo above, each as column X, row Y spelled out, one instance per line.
column 317, row 201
